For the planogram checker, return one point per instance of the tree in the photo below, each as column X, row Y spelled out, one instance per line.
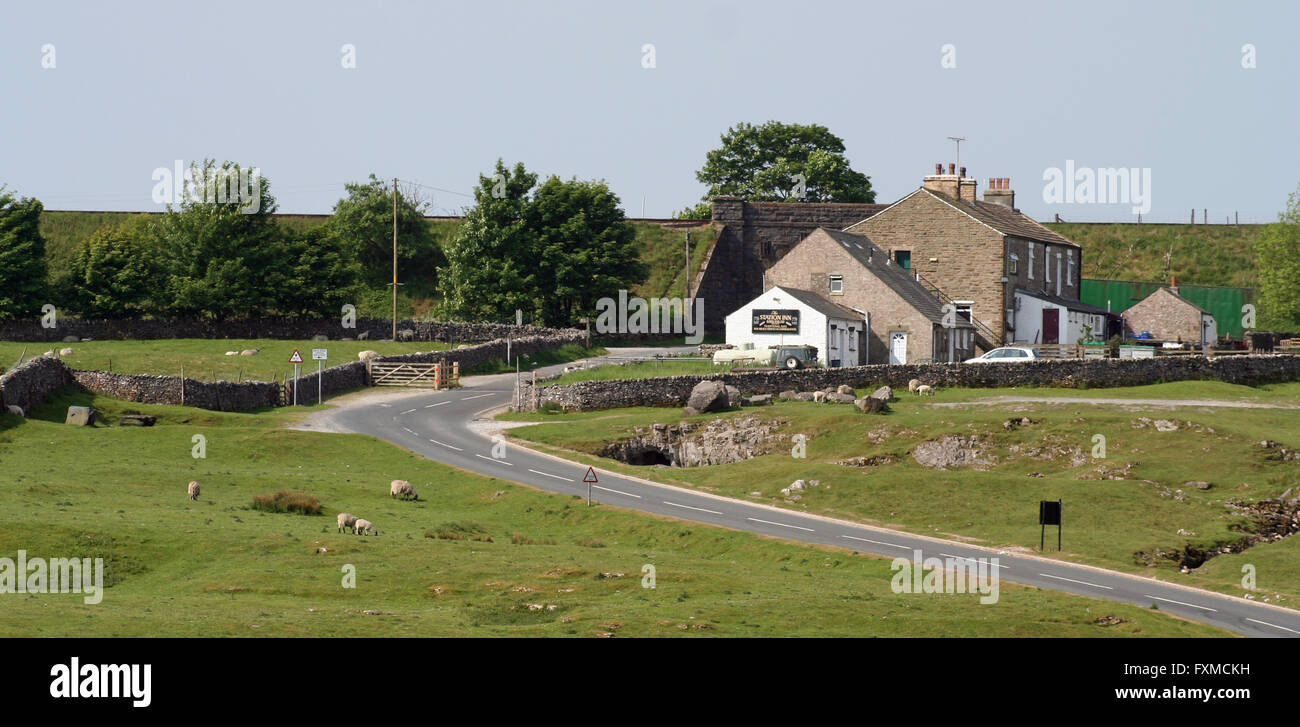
column 22, row 256
column 762, row 163
column 363, row 222
column 1277, row 255
column 114, row 273
column 552, row 250
column 322, row 275
column 699, row 211
column 222, row 258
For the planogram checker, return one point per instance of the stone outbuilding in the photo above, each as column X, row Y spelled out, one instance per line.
column 1168, row 316
column 905, row 322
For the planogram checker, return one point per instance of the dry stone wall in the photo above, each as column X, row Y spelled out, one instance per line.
column 27, row 385
column 266, row 327
column 673, row 391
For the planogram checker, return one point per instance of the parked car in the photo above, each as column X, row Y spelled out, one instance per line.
column 1006, row 353
column 794, row 357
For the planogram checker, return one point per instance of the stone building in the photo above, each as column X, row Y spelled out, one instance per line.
column 1168, row 316
column 975, row 254
column 792, row 317
column 905, row 322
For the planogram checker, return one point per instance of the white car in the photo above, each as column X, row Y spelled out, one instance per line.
column 1006, row 353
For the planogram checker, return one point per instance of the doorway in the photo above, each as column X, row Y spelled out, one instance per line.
column 1051, row 325
column 898, row 347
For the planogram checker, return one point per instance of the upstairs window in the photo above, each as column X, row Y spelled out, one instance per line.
column 903, row 258
column 837, row 285
column 1013, row 264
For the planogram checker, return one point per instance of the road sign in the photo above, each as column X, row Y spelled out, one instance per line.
column 1049, row 513
column 296, row 357
column 320, row 354
column 590, row 479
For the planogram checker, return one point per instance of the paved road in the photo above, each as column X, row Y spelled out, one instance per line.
column 442, row 426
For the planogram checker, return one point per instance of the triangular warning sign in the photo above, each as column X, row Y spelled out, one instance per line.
column 590, row 476
column 296, row 357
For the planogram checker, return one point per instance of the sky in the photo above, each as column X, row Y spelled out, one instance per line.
column 441, row 90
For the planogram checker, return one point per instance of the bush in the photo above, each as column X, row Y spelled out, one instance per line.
column 285, row 501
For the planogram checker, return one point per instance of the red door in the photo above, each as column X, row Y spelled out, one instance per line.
column 1051, row 325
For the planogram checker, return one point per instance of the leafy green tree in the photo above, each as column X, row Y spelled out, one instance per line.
column 222, row 259
column 1277, row 253
column 700, row 211
column 115, row 272
column 363, row 222
column 322, row 275
column 762, row 163
column 584, row 248
column 22, row 256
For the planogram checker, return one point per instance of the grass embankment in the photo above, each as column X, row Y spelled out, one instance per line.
column 644, row 370
column 205, row 359
column 527, row 362
column 528, row 564
column 1202, row 254
column 1109, row 522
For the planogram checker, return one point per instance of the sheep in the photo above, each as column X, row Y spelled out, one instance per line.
column 402, row 489
column 819, row 396
column 250, row 352
column 925, row 390
column 65, row 351
column 194, row 490
column 15, row 409
column 913, row 384
column 232, row 353
column 361, row 527
column 367, row 355
column 346, row 521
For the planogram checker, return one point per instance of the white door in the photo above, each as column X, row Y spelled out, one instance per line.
column 898, row 347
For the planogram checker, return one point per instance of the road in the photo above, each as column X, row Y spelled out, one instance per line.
column 448, row 427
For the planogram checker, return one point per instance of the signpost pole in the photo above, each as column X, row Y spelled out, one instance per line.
column 318, row 385
column 1059, row 523
column 295, row 384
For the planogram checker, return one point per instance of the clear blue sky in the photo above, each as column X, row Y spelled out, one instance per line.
column 441, row 90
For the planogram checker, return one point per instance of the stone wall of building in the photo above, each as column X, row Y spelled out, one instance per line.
column 1166, row 316
column 674, row 390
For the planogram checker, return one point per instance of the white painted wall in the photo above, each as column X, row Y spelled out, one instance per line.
column 814, row 327
column 1029, row 319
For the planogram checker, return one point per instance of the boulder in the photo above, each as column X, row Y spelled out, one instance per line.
column 844, row 389
column 733, row 396
column 871, row 405
column 1198, row 484
column 320, row 337
column 71, row 339
column 797, row 486
column 65, row 351
column 82, row 416
column 137, row 420
column 249, row 352
column 839, row 398
column 708, row 396
column 757, row 400
column 884, row 393
column 806, row 396
column 690, row 412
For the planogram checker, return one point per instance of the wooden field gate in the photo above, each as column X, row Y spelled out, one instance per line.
column 414, row 375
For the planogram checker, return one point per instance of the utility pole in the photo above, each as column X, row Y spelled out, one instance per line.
column 394, row 258
column 959, row 140
column 686, row 296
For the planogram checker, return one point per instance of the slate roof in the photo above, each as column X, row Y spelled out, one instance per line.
column 877, row 262
column 1066, row 303
column 1004, row 219
column 820, row 304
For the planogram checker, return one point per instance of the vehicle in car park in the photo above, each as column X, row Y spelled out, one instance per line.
column 1006, row 354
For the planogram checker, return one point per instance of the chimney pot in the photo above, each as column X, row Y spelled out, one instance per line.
column 963, row 172
column 938, row 168
column 952, row 168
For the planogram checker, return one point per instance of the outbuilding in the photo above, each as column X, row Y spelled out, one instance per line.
column 792, row 317
column 1048, row 319
column 1168, row 316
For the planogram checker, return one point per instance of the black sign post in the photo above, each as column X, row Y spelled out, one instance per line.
column 1049, row 513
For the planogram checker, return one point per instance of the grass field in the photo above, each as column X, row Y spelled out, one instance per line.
column 1110, row 521
column 511, row 561
column 203, row 359
column 646, row 370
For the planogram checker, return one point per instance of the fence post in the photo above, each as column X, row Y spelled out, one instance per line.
column 182, row 386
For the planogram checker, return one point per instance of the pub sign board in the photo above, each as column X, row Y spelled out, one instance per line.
column 770, row 320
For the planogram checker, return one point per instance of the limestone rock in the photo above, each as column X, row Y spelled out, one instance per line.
column 65, row 351
column 757, row 400
column 733, row 396
column 71, row 339
column 708, row 396
column 788, row 395
column 844, row 389
column 840, row 398
column 871, row 405
column 82, row 416
column 950, row 452
column 884, row 393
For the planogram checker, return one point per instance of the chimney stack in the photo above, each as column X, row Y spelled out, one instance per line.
column 942, row 183
column 999, row 192
column 966, row 186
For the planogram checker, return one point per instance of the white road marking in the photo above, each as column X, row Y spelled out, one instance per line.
column 448, row 446
column 438, row 404
column 548, row 474
column 1273, row 625
column 1180, row 603
column 479, row 396
column 412, row 431
column 973, row 560
column 608, row 489
column 1071, row 580
column 494, row 459
column 408, row 411
column 769, row 522
column 386, row 405
column 877, row 542
column 688, row 507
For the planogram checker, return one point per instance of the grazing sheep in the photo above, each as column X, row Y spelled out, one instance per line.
column 913, row 384
column 65, row 351
column 232, row 353
column 250, row 352
column 819, row 396
column 367, row 355
column 15, row 409
column 924, row 390
column 361, row 527
column 346, row 521
column 194, row 490
column 402, row 489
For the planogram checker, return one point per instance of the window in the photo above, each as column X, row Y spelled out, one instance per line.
column 837, row 285
column 903, row 258
column 1013, row 265
column 1047, row 264
column 963, row 307
column 1031, row 261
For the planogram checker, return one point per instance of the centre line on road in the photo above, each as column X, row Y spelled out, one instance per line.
column 1082, row 583
column 478, row 396
column 494, row 459
column 548, row 474
column 976, row 560
column 769, row 522
column 1180, row 603
column 1273, row 625
column 877, row 542
column 448, row 446
column 412, row 431
column 408, row 411
column 438, row 404
column 609, row 489
column 688, row 507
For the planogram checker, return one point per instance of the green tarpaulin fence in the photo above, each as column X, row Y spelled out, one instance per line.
column 1225, row 304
